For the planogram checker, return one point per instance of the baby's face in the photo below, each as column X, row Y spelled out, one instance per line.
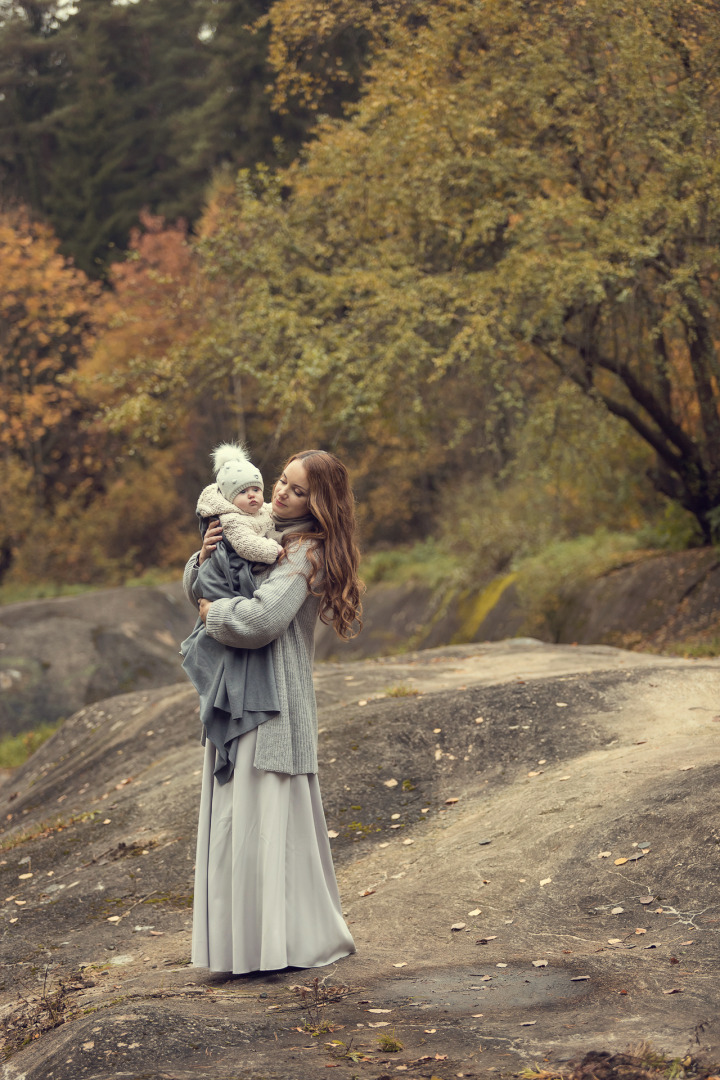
column 250, row 500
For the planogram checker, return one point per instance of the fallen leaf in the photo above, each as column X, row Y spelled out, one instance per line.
column 408, row 841
column 441, row 1057
column 617, row 910
column 474, row 912
column 545, row 881
column 12, row 920
column 539, row 963
column 481, row 843
column 403, row 963
column 385, row 843
column 580, row 978
column 368, row 892
column 614, row 940
column 161, row 933
column 379, row 1023
column 380, row 1010
column 485, row 940
column 88, row 1045
column 390, row 783
column 479, row 719
column 332, row 833
column 527, row 1023
column 675, row 990
column 687, row 942
column 561, row 704
column 363, row 702
column 430, row 1031
column 604, row 854
column 501, row 965
column 562, row 778
column 644, row 844
column 637, row 855
column 114, row 918
column 476, row 1016
column 450, row 802
column 639, row 930
column 24, row 877
column 647, row 899
column 458, row 926
column 542, row 761
column 620, row 862
column 683, row 768
column 538, row 773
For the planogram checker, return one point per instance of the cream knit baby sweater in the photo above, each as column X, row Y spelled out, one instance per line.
column 246, row 533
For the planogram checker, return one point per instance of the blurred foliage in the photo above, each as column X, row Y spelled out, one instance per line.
column 426, row 562
column 546, row 581
column 106, row 108
column 489, row 282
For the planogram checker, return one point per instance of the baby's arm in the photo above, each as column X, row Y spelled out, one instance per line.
column 246, row 542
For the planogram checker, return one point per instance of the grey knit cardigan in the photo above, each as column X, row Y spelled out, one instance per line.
column 283, row 612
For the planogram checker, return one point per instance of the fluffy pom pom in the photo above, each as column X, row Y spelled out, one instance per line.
column 226, row 452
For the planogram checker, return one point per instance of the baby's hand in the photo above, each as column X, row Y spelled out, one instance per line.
column 279, row 550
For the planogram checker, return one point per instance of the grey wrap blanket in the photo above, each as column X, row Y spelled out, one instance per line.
column 236, row 686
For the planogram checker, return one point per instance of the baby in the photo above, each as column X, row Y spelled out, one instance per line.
column 237, row 499
column 237, row 687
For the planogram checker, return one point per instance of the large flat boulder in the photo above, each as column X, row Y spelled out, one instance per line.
column 526, row 838
column 59, row 654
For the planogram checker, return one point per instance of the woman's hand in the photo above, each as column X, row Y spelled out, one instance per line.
column 203, row 608
column 213, row 535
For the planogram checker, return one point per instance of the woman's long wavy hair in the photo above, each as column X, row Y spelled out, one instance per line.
column 335, row 560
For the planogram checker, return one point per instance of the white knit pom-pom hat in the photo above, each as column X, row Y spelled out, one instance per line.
column 234, row 471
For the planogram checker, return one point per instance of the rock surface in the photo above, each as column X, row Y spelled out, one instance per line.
column 57, row 655
column 654, row 601
column 527, row 848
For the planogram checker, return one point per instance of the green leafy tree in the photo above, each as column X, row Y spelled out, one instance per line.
column 520, row 187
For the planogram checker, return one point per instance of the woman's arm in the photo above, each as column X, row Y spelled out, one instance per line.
column 252, row 623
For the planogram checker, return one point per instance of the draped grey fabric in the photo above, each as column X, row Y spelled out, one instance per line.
column 237, row 687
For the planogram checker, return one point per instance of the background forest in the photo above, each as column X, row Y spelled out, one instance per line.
column 471, row 246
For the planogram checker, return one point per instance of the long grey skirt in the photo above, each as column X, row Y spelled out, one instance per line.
column 265, row 890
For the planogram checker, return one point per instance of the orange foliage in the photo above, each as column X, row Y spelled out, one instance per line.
column 47, row 308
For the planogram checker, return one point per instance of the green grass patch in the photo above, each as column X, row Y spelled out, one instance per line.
column 695, row 650
column 546, row 581
column 401, row 690
column 18, row 593
column 426, row 563
column 16, row 749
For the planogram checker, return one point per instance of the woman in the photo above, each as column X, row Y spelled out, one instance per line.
column 265, row 891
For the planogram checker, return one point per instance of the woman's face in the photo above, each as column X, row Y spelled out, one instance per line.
column 290, row 494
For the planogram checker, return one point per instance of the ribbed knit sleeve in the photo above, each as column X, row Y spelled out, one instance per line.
column 189, row 575
column 251, row 623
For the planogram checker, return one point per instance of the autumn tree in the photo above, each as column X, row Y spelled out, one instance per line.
column 46, row 329
column 521, row 188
